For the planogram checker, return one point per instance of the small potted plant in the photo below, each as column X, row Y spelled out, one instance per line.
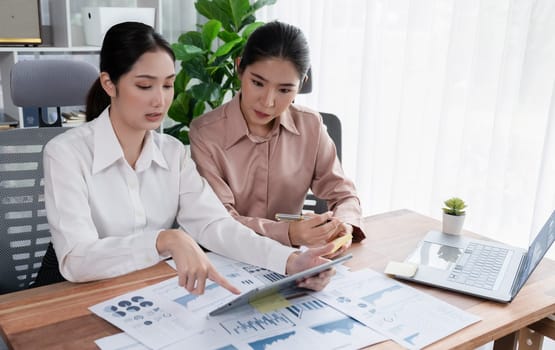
column 453, row 215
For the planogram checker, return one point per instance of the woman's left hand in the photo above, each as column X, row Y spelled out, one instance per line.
column 343, row 230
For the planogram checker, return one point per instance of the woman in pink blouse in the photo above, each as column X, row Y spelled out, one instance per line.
column 261, row 153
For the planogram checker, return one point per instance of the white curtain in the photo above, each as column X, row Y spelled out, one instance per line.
column 440, row 98
column 178, row 16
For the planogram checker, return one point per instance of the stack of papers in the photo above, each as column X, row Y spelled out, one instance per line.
column 357, row 309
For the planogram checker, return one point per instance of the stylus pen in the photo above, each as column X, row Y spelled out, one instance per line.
column 290, row 217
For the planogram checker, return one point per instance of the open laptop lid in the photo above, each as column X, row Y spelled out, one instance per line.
column 288, row 283
column 537, row 250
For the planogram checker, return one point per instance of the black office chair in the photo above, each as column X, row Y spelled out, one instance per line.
column 24, row 233
column 333, row 125
column 51, row 83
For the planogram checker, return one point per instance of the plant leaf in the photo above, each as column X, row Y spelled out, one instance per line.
column 247, row 20
column 191, row 38
column 184, row 137
column 179, row 108
column 196, row 69
column 174, row 130
column 210, row 32
column 181, row 81
column 257, row 5
column 199, row 108
column 227, row 36
column 185, row 52
column 251, row 28
column 227, row 47
column 239, row 9
column 216, row 9
column 206, row 91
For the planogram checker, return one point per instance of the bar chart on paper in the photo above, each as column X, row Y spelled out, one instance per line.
column 302, row 322
column 409, row 317
column 273, row 321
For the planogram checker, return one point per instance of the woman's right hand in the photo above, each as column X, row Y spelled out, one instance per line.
column 315, row 231
column 192, row 264
column 312, row 257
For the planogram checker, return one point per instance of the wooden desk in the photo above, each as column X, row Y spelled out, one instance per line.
column 57, row 316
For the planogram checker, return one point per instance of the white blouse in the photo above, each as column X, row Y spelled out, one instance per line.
column 105, row 216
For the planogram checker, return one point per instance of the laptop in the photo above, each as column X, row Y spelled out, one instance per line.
column 286, row 286
column 482, row 268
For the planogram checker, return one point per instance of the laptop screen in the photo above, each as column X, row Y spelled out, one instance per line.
column 438, row 256
column 536, row 251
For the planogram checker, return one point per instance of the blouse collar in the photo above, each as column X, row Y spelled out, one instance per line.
column 107, row 149
column 236, row 126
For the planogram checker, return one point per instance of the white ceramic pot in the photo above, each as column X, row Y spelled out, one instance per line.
column 452, row 224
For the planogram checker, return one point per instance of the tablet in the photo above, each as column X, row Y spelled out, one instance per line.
column 285, row 285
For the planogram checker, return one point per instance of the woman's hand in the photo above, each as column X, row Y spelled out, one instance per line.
column 192, row 264
column 312, row 257
column 315, row 231
column 344, row 229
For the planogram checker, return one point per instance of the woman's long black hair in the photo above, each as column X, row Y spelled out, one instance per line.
column 123, row 45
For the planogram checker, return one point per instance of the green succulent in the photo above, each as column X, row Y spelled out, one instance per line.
column 454, row 206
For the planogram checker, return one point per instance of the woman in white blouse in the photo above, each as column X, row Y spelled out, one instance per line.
column 115, row 187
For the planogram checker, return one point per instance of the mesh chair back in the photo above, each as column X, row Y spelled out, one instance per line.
column 24, row 233
column 333, row 125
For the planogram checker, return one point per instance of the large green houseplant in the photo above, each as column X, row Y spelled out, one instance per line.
column 207, row 56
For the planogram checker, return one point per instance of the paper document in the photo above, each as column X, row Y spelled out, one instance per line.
column 166, row 316
column 356, row 309
column 306, row 323
column 411, row 318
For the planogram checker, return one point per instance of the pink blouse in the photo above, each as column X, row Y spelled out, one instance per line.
column 257, row 177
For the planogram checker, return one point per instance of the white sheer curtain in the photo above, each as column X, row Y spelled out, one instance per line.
column 440, row 98
column 178, row 16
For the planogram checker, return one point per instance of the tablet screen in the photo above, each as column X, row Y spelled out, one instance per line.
column 288, row 282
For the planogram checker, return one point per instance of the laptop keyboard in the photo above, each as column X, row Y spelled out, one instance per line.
column 479, row 266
